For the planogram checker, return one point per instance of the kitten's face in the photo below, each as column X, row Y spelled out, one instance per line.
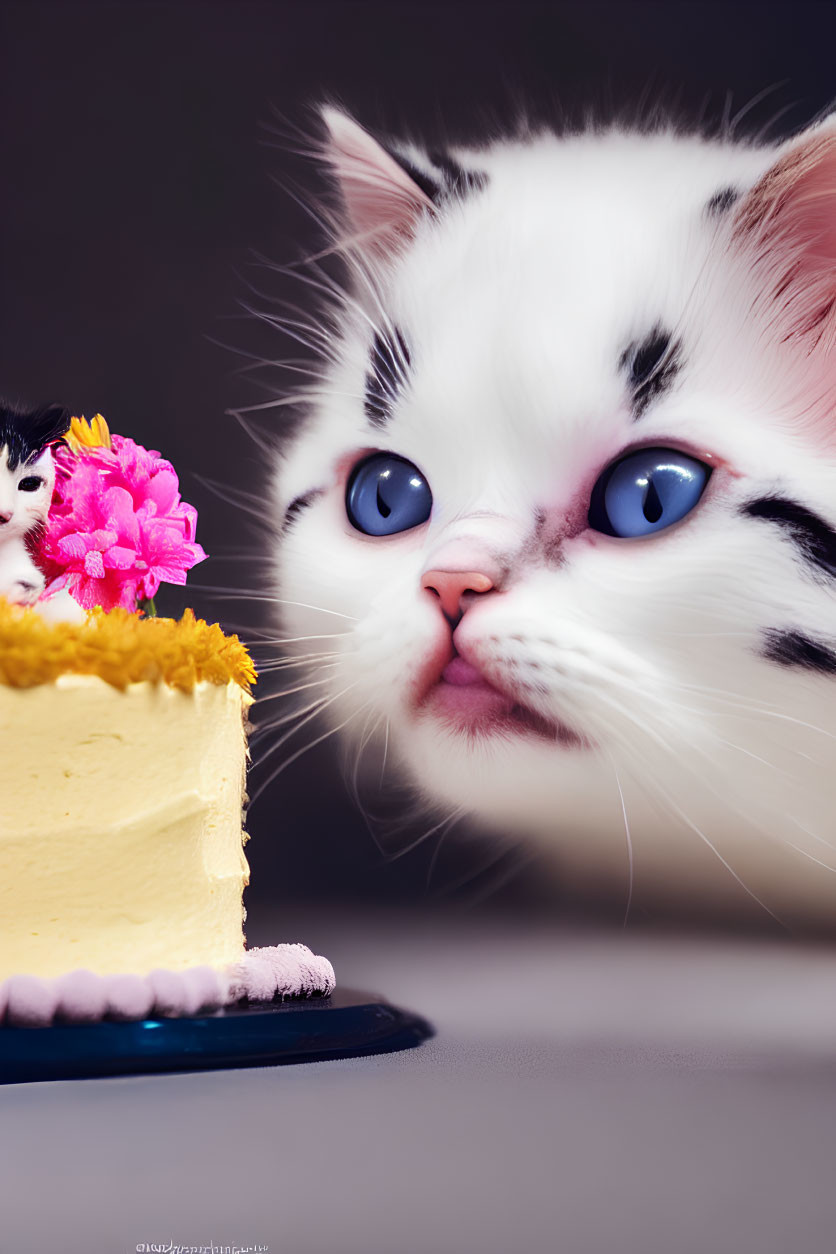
column 27, row 472
column 605, row 601
column 25, row 492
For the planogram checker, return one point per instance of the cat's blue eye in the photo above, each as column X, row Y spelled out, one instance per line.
column 387, row 494
column 646, row 491
column 31, row 483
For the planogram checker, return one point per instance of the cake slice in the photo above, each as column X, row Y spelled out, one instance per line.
column 123, row 766
column 122, row 779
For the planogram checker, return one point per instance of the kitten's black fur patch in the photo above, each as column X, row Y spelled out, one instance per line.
column 457, row 179
column 430, row 187
column 653, row 364
column 793, row 648
column 296, row 507
column 721, row 202
column 385, row 380
column 447, row 179
column 814, row 538
column 26, row 433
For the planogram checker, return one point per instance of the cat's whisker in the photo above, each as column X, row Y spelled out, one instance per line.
column 235, row 594
column 627, row 714
column 294, row 365
column 753, row 102
column 297, row 398
column 332, row 635
column 326, row 327
column 697, row 748
column 365, row 737
column 294, row 716
column 388, row 332
column 813, row 835
column 520, row 859
column 312, row 662
column 413, row 844
column 309, row 665
column 248, row 502
column 304, row 659
column 255, row 361
column 287, row 692
column 806, row 854
column 231, row 554
column 305, row 748
column 324, row 283
column 751, row 705
column 760, row 135
column 321, row 609
column 312, row 372
column 385, row 753
column 454, row 818
column 754, row 756
column 746, row 817
column 312, row 346
column 310, row 712
column 640, row 772
column 629, row 844
column 266, row 447
column 274, row 663
column 719, row 856
column 321, row 341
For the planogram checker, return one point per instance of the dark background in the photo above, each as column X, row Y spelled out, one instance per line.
column 142, row 148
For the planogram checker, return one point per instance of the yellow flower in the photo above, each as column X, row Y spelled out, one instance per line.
column 88, row 434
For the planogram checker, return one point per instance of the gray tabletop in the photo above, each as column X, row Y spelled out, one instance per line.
column 586, row 1091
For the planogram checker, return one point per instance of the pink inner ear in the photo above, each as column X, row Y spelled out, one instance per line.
column 790, row 218
column 381, row 199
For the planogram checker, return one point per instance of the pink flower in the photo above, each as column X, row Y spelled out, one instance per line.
column 117, row 527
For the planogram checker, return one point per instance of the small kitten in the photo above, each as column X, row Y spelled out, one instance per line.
column 559, row 532
column 27, row 479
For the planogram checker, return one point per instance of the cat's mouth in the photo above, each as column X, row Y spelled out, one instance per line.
column 465, row 701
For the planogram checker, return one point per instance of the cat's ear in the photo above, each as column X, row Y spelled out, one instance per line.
column 787, row 223
column 46, row 425
column 384, row 196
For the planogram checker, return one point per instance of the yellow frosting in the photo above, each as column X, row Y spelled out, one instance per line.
column 121, row 648
column 122, row 784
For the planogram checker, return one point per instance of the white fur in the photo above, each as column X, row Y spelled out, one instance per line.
column 713, row 773
column 20, row 513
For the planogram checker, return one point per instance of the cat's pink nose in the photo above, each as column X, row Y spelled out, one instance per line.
column 451, row 585
column 4, row 518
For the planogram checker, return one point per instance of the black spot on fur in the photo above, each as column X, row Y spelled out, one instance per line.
column 429, row 186
column 652, row 365
column 386, row 377
column 447, row 179
column 793, row 648
column 296, row 507
column 721, row 202
column 457, row 179
column 26, row 433
column 813, row 537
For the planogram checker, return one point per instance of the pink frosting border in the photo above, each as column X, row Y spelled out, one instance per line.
column 290, row 970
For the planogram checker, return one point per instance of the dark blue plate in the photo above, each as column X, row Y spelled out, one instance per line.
column 344, row 1025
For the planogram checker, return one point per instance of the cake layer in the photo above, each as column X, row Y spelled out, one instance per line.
column 120, row 827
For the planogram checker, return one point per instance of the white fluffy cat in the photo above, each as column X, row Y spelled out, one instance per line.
column 559, row 527
column 27, row 479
